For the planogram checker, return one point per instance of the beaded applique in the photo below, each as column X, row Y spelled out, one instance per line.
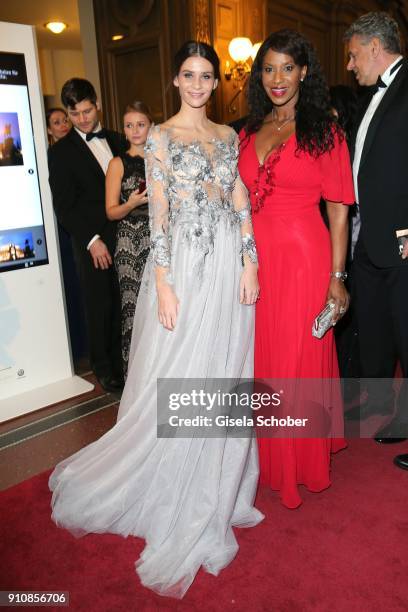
column 194, row 185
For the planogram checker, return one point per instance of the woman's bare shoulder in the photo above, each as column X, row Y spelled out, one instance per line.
column 224, row 132
column 116, row 165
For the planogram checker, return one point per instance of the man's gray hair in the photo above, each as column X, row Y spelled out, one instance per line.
column 376, row 25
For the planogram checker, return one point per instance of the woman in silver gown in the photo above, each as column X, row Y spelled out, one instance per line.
column 182, row 495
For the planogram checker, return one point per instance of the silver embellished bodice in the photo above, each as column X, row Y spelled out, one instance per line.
column 195, row 185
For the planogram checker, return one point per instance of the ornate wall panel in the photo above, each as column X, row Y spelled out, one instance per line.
column 140, row 64
column 254, row 25
column 131, row 80
column 201, row 14
column 226, row 24
column 312, row 21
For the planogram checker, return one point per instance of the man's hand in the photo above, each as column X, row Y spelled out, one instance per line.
column 404, row 253
column 101, row 257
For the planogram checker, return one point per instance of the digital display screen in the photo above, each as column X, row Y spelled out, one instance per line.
column 22, row 236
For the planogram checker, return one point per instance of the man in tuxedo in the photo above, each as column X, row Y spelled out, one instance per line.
column 78, row 164
column 380, row 157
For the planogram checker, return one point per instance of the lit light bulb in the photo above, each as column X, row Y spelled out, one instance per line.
column 56, row 27
column 240, row 49
column 255, row 50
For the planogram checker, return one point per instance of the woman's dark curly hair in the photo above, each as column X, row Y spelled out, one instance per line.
column 315, row 125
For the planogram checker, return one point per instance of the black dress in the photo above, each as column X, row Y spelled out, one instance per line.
column 132, row 248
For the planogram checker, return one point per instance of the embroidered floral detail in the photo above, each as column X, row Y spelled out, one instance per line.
column 157, row 174
column 249, row 248
column 265, row 180
column 160, row 246
column 243, row 214
column 193, row 187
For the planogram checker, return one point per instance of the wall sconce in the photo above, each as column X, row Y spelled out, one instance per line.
column 241, row 50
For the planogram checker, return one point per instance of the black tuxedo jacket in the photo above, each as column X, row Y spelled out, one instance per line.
column 78, row 188
column 383, row 174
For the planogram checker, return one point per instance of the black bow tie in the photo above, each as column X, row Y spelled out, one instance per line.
column 380, row 83
column 100, row 134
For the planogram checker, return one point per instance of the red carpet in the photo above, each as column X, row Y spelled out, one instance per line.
column 345, row 549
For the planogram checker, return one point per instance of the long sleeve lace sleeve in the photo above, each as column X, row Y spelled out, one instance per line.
column 157, row 181
column 242, row 207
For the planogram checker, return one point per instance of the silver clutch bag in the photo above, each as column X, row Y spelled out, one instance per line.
column 324, row 321
column 402, row 237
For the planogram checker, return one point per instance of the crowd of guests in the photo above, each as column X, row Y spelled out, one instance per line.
column 126, row 202
column 174, row 258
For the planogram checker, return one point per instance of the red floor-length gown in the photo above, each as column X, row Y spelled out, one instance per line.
column 294, row 252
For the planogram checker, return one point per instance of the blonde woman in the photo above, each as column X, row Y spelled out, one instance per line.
column 126, row 202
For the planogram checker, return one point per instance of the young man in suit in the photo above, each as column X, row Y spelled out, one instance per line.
column 380, row 156
column 78, row 164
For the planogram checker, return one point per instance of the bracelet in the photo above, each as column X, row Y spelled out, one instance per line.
column 340, row 275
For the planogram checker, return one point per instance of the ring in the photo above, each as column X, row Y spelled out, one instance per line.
column 342, row 309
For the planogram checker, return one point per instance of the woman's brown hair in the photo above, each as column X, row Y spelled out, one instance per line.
column 139, row 107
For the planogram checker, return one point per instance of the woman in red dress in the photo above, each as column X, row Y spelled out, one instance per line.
column 293, row 154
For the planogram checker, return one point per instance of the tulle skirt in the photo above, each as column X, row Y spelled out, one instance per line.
column 183, row 496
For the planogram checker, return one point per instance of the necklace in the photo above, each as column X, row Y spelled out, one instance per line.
column 279, row 127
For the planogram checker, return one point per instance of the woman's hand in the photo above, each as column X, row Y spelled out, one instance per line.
column 249, row 286
column 168, row 306
column 137, row 199
column 338, row 294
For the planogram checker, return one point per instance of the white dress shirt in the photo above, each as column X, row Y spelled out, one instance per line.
column 387, row 78
column 103, row 154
